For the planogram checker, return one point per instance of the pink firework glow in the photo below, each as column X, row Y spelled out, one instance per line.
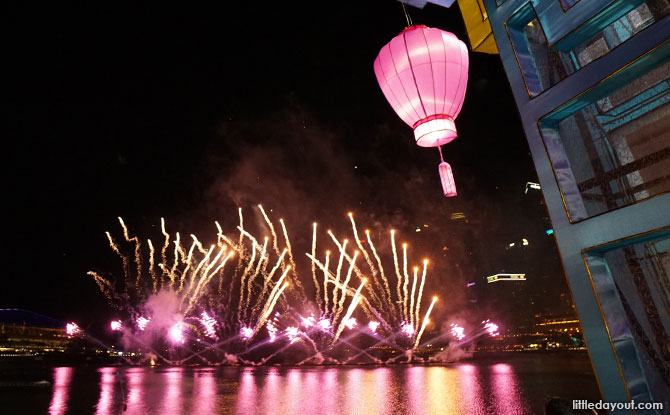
column 209, row 324
column 177, row 333
column 491, row 328
column 142, row 322
column 308, row 321
column 457, row 331
column 292, row 333
column 72, row 329
column 246, row 333
column 407, row 329
column 272, row 331
column 324, row 324
column 351, row 323
column 184, row 291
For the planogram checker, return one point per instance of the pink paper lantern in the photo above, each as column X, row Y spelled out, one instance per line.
column 423, row 73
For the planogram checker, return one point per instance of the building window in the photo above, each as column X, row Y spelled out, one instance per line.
column 544, row 65
column 610, row 147
column 632, row 282
column 615, row 34
column 540, row 65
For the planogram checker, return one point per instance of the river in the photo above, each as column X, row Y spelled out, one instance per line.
column 516, row 384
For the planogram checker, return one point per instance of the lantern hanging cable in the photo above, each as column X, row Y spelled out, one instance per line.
column 439, row 148
column 409, row 19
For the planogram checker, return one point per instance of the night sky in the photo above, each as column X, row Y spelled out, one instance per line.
column 150, row 111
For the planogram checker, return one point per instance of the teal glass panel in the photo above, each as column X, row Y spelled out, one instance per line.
column 610, row 147
column 615, row 34
column 632, row 281
column 544, row 65
column 540, row 65
column 566, row 4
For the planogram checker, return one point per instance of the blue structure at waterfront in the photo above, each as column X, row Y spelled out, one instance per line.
column 591, row 79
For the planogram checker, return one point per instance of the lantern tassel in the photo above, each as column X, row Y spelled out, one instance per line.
column 446, row 177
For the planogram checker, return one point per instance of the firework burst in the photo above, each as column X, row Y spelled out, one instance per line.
column 240, row 293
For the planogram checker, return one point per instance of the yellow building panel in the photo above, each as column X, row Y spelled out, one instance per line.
column 478, row 26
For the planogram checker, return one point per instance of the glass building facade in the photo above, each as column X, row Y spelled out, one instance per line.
column 591, row 79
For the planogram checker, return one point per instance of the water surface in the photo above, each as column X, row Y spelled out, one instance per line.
column 517, row 385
